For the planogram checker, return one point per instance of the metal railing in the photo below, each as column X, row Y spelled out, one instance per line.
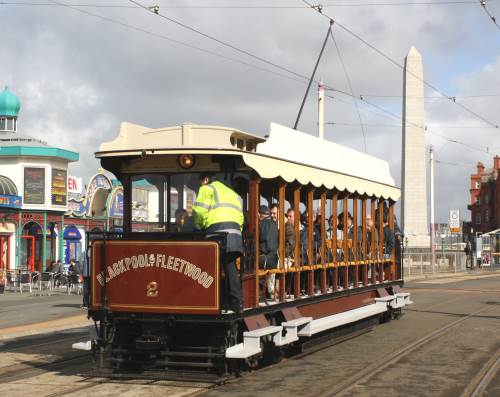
column 415, row 263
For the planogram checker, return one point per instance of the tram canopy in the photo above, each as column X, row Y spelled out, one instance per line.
column 286, row 153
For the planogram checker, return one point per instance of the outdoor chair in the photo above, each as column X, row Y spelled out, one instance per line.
column 25, row 281
column 74, row 283
column 11, row 279
column 59, row 280
column 45, row 280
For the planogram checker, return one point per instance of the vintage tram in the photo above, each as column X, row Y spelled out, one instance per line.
column 157, row 289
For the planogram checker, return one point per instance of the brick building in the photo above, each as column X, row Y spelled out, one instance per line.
column 485, row 197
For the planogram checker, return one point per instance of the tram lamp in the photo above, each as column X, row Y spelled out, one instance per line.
column 186, row 161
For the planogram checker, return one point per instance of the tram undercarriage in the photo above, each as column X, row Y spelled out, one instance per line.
column 197, row 348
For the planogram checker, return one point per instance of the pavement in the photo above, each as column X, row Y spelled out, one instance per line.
column 30, row 314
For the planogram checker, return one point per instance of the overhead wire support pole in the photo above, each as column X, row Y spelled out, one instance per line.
column 312, row 76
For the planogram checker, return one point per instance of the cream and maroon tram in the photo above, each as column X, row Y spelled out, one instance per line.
column 157, row 289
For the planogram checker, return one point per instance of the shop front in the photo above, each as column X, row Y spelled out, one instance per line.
column 32, row 246
column 72, row 243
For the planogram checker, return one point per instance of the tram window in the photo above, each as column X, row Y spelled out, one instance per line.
column 145, row 199
column 164, row 202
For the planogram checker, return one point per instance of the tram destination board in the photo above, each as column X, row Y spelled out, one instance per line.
column 156, row 276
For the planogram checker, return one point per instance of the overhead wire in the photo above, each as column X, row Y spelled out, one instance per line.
column 217, row 40
column 432, row 96
column 179, row 42
column 350, row 88
column 250, row 7
column 400, row 125
column 493, row 19
column 123, row 24
column 426, row 128
column 319, row 10
column 195, row 30
column 467, row 165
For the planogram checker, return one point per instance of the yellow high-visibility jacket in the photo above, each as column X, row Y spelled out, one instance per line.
column 216, row 203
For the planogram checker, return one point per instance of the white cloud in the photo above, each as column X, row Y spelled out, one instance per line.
column 79, row 77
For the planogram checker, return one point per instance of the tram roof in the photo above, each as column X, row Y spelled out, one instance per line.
column 284, row 153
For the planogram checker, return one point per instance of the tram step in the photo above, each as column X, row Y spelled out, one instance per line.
column 337, row 320
column 406, row 296
column 191, row 364
column 291, row 327
column 251, row 342
column 82, row 345
column 395, row 301
column 191, row 354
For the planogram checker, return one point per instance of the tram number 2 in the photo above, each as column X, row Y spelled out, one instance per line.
column 152, row 289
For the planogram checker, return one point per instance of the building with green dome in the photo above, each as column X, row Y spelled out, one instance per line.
column 9, row 109
column 33, row 194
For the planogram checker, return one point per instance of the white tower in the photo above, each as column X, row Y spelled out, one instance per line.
column 413, row 173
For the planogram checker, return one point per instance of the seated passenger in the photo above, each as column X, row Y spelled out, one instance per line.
column 369, row 227
column 274, row 212
column 268, row 246
column 290, row 234
column 183, row 222
column 289, row 248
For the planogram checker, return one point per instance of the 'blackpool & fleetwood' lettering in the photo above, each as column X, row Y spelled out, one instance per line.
column 169, row 262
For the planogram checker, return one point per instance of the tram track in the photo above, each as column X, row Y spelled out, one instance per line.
column 480, row 382
column 24, row 370
column 341, row 388
column 23, row 345
column 94, row 384
column 456, row 290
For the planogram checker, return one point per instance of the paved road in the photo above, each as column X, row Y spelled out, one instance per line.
column 373, row 364
column 19, row 309
column 443, row 346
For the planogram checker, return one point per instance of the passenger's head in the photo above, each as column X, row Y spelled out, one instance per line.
column 206, row 178
column 180, row 215
column 369, row 221
column 264, row 211
column 274, row 212
column 330, row 220
column 317, row 216
column 340, row 220
column 290, row 215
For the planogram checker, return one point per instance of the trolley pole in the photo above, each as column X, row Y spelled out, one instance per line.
column 432, row 229
column 321, row 110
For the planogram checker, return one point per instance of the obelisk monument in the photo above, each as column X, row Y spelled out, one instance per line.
column 413, row 172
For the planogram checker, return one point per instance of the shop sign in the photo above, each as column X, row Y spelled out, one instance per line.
column 76, row 207
column 75, row 185
column 34, row 185
column 10, row 201
column 32, row 217
column 455, row 221
column 58, row 188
